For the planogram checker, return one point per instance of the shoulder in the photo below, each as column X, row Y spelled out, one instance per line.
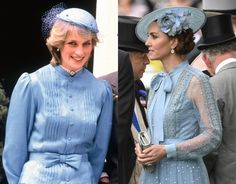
column 42, row 71
column 112, row 78
column 196, row 72
column 23, row 86
column 96, row 83
column 196, row 75
column 124, row 66
column 24, row 80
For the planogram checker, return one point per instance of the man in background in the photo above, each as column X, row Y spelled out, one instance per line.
column 129, row 169
column 219, row 54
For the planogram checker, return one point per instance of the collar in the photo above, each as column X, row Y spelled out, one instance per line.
column 167, row 77
column 71, row 72
column 225, row 62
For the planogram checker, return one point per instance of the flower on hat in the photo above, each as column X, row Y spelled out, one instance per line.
column 174, row 22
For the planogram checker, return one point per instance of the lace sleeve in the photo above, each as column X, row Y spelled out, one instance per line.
column 209, row 138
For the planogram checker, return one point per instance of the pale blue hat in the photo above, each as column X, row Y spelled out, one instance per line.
column 172, row 21
column 75, row 16
column 79, row 17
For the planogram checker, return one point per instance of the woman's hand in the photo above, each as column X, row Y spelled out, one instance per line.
column 151, row 154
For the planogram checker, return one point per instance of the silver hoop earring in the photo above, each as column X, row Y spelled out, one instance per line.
column 172, row 51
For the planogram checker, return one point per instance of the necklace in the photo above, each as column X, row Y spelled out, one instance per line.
column 71, row 72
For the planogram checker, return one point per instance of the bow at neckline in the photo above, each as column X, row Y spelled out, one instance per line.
column 164, row 78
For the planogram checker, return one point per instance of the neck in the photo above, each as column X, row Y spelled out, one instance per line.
column 71, row 72
column 171, row 62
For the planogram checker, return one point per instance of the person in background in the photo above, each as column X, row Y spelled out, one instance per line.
column 132, row 8
column 125, row 112
column 60, row 116
column 114, row 171
column 219, row 54
column 217, row 7
column 128, row 41
column 182, row 113
column 110, row 170
column 212, row 7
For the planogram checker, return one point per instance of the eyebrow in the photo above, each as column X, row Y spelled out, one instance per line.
column 153, row 33
column 73, row 40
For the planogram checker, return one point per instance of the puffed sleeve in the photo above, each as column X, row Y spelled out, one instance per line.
column 98, row 153
column 201, row 93
column 18, row 127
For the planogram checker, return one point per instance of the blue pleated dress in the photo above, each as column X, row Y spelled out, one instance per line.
column 58, row 128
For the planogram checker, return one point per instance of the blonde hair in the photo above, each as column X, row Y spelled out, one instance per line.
column 58, row 34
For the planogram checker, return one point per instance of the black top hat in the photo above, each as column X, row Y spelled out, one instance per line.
column 127, row 39
column 226, row 6
column 218, row 29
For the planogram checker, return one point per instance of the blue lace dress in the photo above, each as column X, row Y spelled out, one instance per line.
column 58, row 128
column 183, row 116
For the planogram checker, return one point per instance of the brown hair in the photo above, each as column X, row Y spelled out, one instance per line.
column 58, row 35
column 185, row 42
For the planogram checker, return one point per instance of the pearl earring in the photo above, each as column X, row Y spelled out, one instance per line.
column 58, row 49
column 172, row 51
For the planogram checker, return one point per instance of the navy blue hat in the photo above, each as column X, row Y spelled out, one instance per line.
column 127, row 39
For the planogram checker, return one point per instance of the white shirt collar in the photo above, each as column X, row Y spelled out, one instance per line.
column 225, row 62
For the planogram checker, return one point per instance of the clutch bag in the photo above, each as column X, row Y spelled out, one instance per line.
column 144, row 139
column 145, row 142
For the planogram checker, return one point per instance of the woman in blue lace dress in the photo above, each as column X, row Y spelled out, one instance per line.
column 182, row 113
column 59, row 118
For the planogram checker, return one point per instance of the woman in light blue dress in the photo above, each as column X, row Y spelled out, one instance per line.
column 182, row 113
column 59, row 118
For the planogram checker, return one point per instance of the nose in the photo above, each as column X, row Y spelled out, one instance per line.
column 80, row 51
column 147, row 43
column 146, row 61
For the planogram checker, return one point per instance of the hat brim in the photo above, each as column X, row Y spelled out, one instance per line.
column 133, row 47
column 205, row 45
column 197, row 20
column 232, row 12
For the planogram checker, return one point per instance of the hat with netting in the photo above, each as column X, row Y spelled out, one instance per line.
column 172, row 21
column 74, row 16
column 79, row 17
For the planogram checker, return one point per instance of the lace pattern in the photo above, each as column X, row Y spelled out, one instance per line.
column 196, row 103
column 192, row 115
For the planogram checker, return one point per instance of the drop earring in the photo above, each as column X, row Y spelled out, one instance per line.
column 172, row 51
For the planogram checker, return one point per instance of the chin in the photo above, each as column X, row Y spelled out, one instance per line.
column 151, row 56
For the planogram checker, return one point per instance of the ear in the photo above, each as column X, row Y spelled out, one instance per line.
column 174, row 42
column 207, row 61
